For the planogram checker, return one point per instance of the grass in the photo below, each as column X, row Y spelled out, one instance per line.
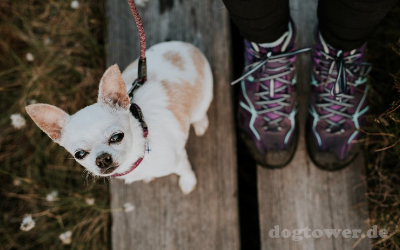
column 383, row 135
column 68, row 49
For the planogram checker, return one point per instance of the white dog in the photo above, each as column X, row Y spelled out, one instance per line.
column 108, row 140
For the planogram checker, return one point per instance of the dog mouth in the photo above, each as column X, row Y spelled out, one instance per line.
column 109, row 170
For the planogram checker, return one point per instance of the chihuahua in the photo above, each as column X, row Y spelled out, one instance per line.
column 144, row 139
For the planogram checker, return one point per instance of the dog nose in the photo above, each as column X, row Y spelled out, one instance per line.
column 104, row 160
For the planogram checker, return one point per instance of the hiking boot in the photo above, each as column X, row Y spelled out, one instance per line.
column 267, row 100
column 338, row 104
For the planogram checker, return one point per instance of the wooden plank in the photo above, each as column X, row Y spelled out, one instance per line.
column 300, row 195
column 163, row 217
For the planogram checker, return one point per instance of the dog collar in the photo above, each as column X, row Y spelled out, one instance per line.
column 137, row 113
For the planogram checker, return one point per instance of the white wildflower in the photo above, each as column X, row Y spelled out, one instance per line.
column 30, row 57
column 27, row 223
column 66, row 237
column 89, row 201
column 17, row 182
column 74, row 4
column 18, row 121
column 128, row 207
column 52, row 196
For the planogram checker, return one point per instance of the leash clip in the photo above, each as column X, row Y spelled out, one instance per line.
column 135, row 85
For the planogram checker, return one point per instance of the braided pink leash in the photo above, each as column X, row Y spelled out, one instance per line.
column 140, row 28
column 142, row 77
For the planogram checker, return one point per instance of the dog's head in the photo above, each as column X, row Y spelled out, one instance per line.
column 103, row 137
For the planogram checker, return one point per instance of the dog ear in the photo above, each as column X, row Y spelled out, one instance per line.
column 112, row 90
column 49, row 118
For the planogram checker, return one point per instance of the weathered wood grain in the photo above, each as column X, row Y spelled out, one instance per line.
column 163, row 217
column 300, row 195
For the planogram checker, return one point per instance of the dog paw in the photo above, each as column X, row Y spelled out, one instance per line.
column 200, row 127
column 148, row 180
column 187, row 182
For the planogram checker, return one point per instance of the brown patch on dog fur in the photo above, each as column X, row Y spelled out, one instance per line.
column 178, row 103
column 199, row 63
column 48, row 118
column 184, row 96
column 112, row 90
column 175, row 59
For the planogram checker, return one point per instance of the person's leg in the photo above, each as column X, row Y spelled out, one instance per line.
column 347, row 24
column 267, row 100
column 260, row 21
column 339, row 89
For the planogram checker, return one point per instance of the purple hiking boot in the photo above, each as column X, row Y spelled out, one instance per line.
column 267, row 100
column 338, row 103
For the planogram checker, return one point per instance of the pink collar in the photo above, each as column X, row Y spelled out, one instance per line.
column 137, row 113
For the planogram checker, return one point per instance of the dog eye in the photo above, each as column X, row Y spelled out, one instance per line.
column 116, row 138
column 80, row 154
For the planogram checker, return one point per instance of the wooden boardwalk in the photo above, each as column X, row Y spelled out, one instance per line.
column 300, row 195
column 295, row 197
column 164, row 218
column 303, row 196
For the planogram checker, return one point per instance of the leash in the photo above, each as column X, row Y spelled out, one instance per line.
column 142, row 78
column 142, row 66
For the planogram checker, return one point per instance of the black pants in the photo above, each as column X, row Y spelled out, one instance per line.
column 344, row 24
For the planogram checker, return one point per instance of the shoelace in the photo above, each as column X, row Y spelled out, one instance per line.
column 346, row 66
column 267, row 94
